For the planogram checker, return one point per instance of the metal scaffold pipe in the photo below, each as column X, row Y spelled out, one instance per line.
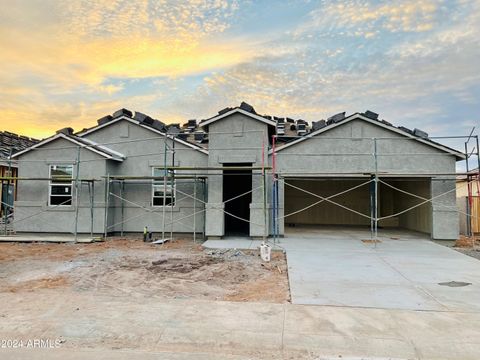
column 172, row 200
column 107, row 197
column 5, row 208
column 77, row 193
column 376, row 189
column 164, row 186
column 195, row 211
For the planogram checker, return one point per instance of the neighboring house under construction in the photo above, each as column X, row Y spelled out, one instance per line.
column 10, row 144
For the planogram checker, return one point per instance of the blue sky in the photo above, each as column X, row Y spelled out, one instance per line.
column 70, row 63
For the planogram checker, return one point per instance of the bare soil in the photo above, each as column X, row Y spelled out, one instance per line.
column 467, row 242
column 466, row 245
column 371, row 241
column 126, row 267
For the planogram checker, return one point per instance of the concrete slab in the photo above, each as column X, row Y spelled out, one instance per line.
column 54, row 238
column 233, row 243
column 456, row 298
column 332, row 266
column 339, row 269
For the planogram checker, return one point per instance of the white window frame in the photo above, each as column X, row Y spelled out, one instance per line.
column 160, row 183
column 52, row 183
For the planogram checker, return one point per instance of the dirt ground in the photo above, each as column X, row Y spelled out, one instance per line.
column 127, row 267
column 466, row 245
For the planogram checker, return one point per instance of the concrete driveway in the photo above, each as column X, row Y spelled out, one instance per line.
column 334, row 267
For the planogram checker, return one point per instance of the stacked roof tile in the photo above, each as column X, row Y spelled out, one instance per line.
column 286, row 129
column 14, row 142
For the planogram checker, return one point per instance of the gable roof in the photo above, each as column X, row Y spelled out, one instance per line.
column 240, row 111
column 83, row 143
column 355, row 116
column 138, row 123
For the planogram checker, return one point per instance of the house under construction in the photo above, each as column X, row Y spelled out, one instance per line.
column 237, row 173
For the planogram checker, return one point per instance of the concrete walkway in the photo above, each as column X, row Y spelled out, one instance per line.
column 126, row 327
column 403, row 271
column 47, row 237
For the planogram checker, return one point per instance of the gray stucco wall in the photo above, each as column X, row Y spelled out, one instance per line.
column 236, row 139
column 144, row 150
column 344, row 151
column 445, row 224
column 32, row 196
column 142, row 156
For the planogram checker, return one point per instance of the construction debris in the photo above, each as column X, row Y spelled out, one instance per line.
column 265, row 251
column 160, row 241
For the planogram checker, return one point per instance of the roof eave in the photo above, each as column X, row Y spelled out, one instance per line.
column 39, row 144
column 72, row 140
column 136, row 122
column 233, row 111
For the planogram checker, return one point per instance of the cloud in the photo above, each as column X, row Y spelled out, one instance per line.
column 125, row 39
column 40, row 118
column 57, row 54
column 183, row 20
column 72, row 62
column 406, row 79
column 109, row 89
column 358, row 18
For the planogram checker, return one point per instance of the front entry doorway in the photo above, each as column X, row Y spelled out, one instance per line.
column 237, row 182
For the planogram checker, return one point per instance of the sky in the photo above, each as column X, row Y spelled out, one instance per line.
column 68, row 63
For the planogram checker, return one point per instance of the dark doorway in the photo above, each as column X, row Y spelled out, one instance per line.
column 236, row 182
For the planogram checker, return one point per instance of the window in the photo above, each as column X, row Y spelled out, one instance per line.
column 60, row 187
column 159, row 188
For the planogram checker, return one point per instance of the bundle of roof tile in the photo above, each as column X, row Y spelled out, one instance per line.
column 14, row 142
column 287, row 128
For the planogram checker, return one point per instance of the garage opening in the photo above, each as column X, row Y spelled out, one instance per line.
column 326, row 213
column 235, row 183
column 392, row 199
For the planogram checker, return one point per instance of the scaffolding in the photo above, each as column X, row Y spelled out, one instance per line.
column 78, row 186
column 375, row 181
column 271, row 178
column 198, row 181
column 197, row 175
